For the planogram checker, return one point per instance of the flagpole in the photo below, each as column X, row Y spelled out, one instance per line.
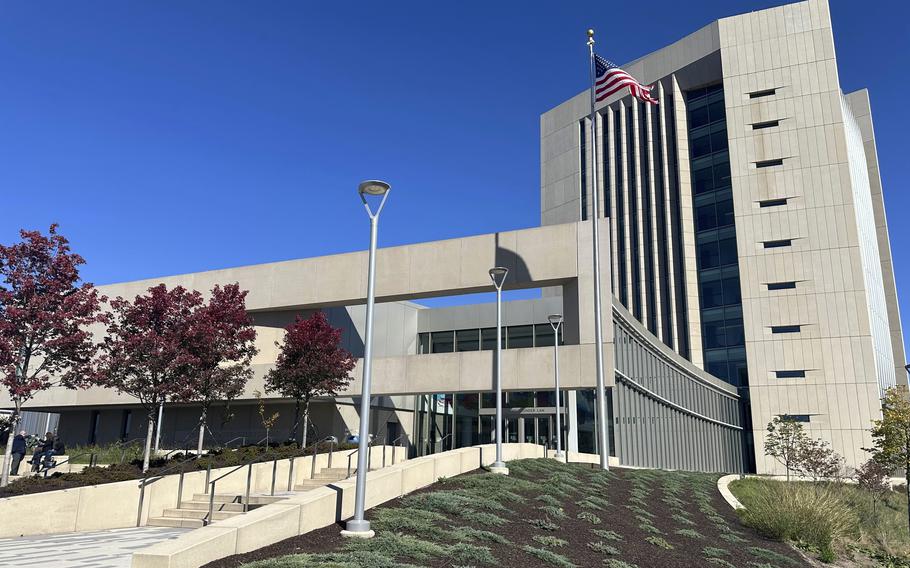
column 602, row 427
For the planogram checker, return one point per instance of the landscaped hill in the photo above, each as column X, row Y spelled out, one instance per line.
column 544, row 514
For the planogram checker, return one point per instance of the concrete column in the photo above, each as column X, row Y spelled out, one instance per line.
column 572, row 421
column 668, row 221
column 655, row 243
column 687, row 226
column 639, row 260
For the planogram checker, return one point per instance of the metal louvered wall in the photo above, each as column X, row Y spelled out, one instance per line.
column 668, row 414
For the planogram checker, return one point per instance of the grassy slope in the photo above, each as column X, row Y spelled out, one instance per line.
column 883, row 529
column 544, row 514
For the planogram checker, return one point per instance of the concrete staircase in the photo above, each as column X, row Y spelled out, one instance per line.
column 193, row 513
column 325, row 476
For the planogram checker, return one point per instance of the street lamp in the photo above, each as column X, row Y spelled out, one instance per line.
column 498, row 276
column 358, row 526
column 555, row 323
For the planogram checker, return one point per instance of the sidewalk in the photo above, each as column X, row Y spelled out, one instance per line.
column 102, row 549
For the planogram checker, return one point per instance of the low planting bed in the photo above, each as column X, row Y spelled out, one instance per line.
column 133, row 469
column 544, row 514
column 838, row 522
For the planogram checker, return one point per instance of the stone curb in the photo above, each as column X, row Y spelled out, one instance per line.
column 723, row 485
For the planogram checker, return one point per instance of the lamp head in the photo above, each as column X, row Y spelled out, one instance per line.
column 498, row 275
column 373, row 187
column 555, row 319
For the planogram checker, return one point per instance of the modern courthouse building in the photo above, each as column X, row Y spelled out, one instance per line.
column 744, row 246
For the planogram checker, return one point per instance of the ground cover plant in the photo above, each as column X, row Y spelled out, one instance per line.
column 544, row 514
column 831, row 520
column 133, row 469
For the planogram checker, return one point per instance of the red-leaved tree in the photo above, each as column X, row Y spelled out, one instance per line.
column 45, row 314
column 220, row 345
column 311, row 363
column 144, row 354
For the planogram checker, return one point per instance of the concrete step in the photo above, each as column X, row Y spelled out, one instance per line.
column 234, row 498
column 199, row 514
column 181, row 522
column 204, row 506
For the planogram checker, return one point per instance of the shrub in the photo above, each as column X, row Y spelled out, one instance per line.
column 660, row 542
column 714, row 552
column 609, row 535
column 549, row 500
column 797, row 512
column 551, row 541
column 470, row 554
column 543, row 524
column 482, row 518
column 555, row 512
column 649, row 528
column 614, row 563
column 394, row 545
column 603, row 547
column 682, row 520
column 771, row 556
column 548, row 556
column 689, row 533
column 470, row 533
column 590, row 517
column 732, row 538
column 719, row 562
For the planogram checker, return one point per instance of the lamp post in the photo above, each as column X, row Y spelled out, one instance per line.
column 498, row 276
column 358, row 526
column 555, row 323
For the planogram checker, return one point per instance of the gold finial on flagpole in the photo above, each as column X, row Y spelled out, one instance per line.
column 590, row 36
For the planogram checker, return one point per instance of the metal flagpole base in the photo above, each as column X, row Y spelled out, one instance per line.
column 561, row 456
column 499, row 468
column 358, row 529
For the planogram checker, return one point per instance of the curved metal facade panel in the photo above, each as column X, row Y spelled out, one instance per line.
column 667, row 412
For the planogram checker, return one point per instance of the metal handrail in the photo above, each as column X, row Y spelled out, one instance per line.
column 315, row 445
column 357, row 450
column 159, row 475
column 442, row 441
column 43, row 467
column 241, row 438
column 249, row 480
column 394, row 445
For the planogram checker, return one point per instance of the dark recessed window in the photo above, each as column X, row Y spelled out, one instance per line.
column 785, row 328
column 769, row 163
column 781, row 285
column 773, row 202
column 442, row 341
column 778, row 244
column 762, row 93
column 796, row 417
column 766, row 124
column 467, row 340
column 790, row 374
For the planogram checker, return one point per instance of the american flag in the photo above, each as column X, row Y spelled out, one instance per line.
column 609, row 79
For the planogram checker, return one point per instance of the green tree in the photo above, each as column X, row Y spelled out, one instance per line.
column 891, row 435
column 784, row 442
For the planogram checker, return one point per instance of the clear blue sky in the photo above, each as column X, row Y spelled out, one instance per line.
column 173, row 136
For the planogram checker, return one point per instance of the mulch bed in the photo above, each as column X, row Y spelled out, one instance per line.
column 710, row 514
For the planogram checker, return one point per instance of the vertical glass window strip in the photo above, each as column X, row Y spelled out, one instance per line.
column 620, row 220
column 583, row 168
column 648, row 244
column 605, row 158
column 631, row 155
column 715, row 237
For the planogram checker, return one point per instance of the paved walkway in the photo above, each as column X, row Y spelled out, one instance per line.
column 101, row 549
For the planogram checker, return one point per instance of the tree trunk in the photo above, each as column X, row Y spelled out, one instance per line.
column 306, row 419
column 8, row 454
column 148, row 443
column 296, row 419
column 201, row 432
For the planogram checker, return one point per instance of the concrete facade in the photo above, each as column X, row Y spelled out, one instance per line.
column 820, row 324
column 743, row 242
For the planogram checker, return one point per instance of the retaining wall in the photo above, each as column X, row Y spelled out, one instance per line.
column 116, row 505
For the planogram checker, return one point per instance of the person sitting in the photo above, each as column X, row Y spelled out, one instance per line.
column 43, row 453
column 19, row 449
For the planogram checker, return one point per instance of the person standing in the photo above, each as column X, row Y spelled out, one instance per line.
column 19, row 449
